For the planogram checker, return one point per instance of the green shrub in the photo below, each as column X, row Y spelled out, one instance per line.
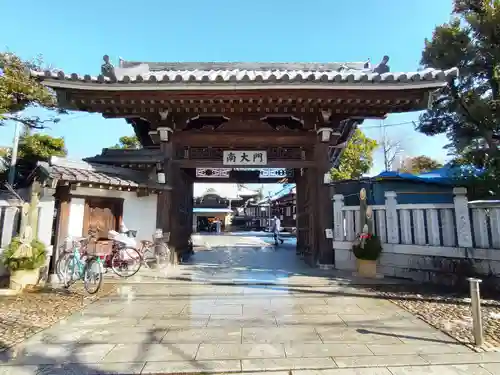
column 371, row 250
column 33, row 262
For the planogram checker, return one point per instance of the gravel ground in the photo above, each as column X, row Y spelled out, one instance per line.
column 24, row 315
column 448, row 312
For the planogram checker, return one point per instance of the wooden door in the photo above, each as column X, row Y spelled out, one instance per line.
column 102, row 214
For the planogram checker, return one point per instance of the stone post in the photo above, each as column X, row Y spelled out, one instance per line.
column 462, row 217
column 391, row 215
column 338, row 217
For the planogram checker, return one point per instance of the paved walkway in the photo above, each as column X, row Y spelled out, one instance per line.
column 309, row 323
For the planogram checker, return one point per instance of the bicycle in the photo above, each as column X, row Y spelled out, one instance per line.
column 80, row 266
column 157, row 249
column 126, row 261
column 66, row 251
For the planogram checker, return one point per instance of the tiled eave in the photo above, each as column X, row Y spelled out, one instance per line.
column 81, row 174
column 214, row 106
column 250, row 80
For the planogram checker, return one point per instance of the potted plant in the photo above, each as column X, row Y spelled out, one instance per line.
column 24, row 259
column 367, row 247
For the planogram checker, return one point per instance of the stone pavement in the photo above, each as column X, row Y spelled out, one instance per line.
column 307, row 322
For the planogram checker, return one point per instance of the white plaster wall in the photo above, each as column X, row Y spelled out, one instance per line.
column 139, row 213
column 75, row 222
column 45, row 219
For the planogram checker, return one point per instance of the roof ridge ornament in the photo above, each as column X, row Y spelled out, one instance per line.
column 107, row 69
column 382, row 67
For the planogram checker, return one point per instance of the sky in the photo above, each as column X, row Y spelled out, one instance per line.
column 73, row 36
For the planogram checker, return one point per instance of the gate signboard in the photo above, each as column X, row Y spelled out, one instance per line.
column 242, row 158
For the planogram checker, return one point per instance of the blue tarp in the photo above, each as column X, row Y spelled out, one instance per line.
column 447, row 175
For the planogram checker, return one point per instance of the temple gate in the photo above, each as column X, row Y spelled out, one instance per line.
column 222, row 116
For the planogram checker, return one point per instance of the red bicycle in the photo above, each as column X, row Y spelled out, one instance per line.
column 124, row 260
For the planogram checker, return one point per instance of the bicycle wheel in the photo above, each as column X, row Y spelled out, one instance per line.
column 61, row 265
column 162, row 254
column 70, row 272
column 126, row 262
column 92, row 276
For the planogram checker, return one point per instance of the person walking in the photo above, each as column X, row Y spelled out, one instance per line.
column 276, row 230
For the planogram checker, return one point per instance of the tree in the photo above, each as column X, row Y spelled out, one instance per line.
column 32, row 149
column 128, row 142
column 391, row 149
column 467, row 110
column 357, row 158
column 19, row 90
column 40, row 147
column 420, row 164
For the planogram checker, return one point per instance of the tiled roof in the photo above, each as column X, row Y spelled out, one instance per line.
column 164, row 75
column 224, row 190
column 287, row 189
column 80, row 171
column 125, row 156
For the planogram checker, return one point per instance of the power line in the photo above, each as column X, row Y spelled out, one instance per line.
column 67, row 119
column 387, row 125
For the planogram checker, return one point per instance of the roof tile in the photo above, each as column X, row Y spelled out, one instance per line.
column 75, row 175
column 80, row 171
column 143, row 74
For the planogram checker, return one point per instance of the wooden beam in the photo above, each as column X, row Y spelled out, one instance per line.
column 185, row 97
column 214, row 138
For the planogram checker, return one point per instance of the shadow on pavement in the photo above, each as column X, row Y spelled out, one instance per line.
column 30, row 360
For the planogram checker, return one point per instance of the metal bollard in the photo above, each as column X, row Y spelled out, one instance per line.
column 477, row 320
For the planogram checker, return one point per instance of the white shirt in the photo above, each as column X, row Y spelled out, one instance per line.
column 277, row 224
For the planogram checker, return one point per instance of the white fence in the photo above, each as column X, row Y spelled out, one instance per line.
column 425, row 241
column 10, row 222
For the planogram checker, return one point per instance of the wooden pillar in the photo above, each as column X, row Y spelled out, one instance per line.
column 324, row 205
column 311, row 248
column 164, row 216
column 189, row 197
column 62, row 220
column 300, row 210
column 183, row 211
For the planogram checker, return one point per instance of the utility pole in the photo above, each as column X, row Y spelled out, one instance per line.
column 13, row 159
